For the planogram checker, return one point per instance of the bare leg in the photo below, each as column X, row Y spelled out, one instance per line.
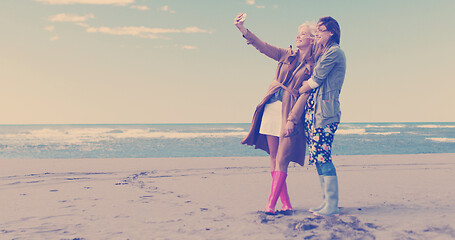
column 281, row 165
column 272, row 141
column 276, row 165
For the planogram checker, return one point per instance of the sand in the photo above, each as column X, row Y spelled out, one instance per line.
column 381, row 197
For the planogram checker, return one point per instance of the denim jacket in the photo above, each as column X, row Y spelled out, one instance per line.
column 329, row 72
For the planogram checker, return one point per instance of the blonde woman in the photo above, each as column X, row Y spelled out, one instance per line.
column 277, row 125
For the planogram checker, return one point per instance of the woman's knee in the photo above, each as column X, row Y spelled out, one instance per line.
column 282, row 165
column 326, row 169
column 272, row 164
column 273, row 143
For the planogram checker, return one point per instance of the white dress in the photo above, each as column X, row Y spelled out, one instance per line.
column 271, row 119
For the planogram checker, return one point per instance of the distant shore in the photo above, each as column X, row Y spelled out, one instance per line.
column 381, row 197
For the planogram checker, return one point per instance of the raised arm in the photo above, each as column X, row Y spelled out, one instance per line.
column 269, row 50
column 238, row 22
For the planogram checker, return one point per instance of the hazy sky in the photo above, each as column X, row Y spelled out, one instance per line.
column 182, row 61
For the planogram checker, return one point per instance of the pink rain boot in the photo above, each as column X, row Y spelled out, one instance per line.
column 279, row 178
column 284, row 196
column 286, row 203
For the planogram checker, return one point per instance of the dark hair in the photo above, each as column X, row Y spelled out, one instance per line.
column 332, row 26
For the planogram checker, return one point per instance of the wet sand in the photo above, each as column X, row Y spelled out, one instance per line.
column 381, row 197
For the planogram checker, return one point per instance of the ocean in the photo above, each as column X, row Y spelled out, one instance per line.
column 207, row 140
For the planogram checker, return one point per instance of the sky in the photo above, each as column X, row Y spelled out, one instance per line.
column 180, row 61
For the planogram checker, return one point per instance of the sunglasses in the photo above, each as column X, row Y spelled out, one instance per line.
column 319, row 30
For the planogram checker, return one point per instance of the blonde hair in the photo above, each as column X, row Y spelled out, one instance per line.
column 309, row 25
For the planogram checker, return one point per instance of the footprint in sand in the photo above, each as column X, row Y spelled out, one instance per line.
column 348, row 227
column 35, row 181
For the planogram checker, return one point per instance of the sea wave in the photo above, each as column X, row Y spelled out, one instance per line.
column 384, row 133
column 362, row 131
column 449, row 140
column 350, row 131
column 182, row 135
column 436, row 126
column 385, row 126
column 227, row 129
column 206, row 140
column 81, row 135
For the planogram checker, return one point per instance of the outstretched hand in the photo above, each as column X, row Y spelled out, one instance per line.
column 238, row 22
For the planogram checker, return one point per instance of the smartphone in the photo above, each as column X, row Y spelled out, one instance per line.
column 243, row 17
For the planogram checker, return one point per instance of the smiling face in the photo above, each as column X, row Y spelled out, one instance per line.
column 322, row 34
column 304, row 37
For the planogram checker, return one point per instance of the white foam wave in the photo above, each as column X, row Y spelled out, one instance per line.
column 450, row 140
column 435, row 126
column 362, row 131
column 137, row 134
column 66, row 136
column 385, row 126
column 227, row 129
column 350, row 131
column 234, row 129
column 385, row 133
column 84, row 135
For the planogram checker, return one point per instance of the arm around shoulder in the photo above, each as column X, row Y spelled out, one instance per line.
column 299, row 107
column 327, row 62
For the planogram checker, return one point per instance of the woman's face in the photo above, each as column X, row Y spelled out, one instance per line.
column 304, row 38
column 322, row 34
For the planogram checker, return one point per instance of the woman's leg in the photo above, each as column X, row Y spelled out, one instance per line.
column 312, row 146
column 330, row 190
column 279, row 188
column 279, row 180
column 327, row 170
column 282, row 167
column 272, row 141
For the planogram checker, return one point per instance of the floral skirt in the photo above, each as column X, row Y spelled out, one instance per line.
column 319, row 140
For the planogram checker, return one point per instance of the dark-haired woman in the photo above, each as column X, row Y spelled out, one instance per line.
column 277, row 125
column 322, row 111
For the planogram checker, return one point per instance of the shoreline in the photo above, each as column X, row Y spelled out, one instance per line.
column 194, row 123
column 381, row 197
column 10, row 164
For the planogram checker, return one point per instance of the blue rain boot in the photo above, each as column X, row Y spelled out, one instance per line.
column 321, row 179
column 331, row 194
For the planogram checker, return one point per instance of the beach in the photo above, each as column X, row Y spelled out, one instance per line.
column 381, row 197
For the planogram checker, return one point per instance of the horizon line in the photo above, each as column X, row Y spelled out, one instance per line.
column 36, row 124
